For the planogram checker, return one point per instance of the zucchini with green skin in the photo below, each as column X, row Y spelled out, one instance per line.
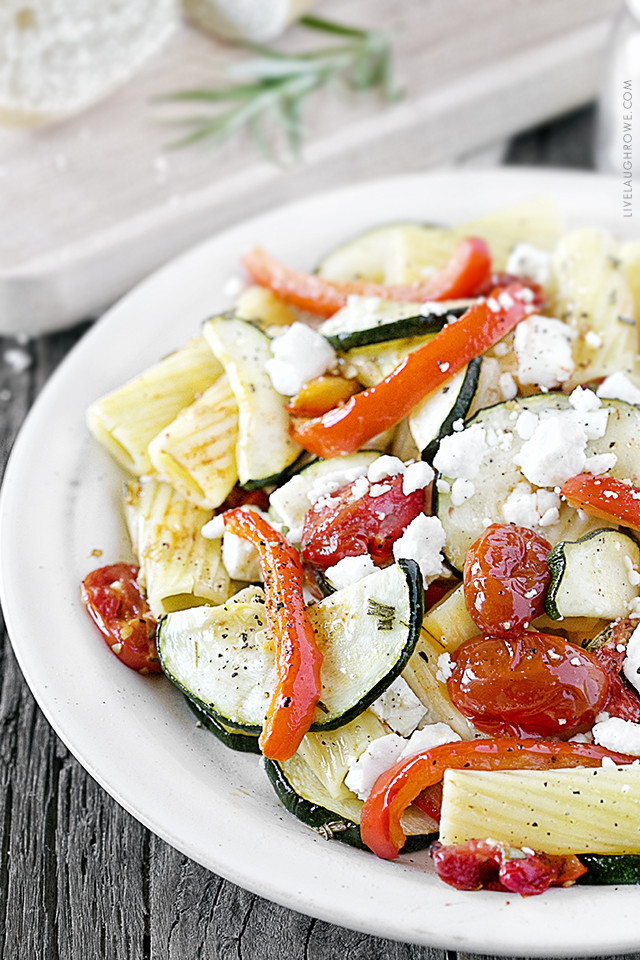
column 243, row 350
column 234, row 739
column 610, row 869
column 223, row 658
column 303, row 795
column 433, row 418
column 592, row 576
column 410, row 326
column 366, row 256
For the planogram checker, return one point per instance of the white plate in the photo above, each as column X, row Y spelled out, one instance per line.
column 135, row 735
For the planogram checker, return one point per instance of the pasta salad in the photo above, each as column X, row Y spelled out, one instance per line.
column 385, row 518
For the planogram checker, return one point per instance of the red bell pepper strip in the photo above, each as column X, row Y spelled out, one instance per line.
column 397, row 788
column 347, row 428
column 298, row 659
column 467, row 269
column 604, row 497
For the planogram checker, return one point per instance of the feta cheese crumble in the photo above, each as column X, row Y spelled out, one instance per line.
column 617, row 386
column 417, row 476
column 349, row 570
column 399, row 708
column 543, row 348
column 621, row 736
column 423, row 541
column 525, row 260
column 299, row 355
column 460, row 454
column 379, row 756
column 555, row 452
column 384, row 466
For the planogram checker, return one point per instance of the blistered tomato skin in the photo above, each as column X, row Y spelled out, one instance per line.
column 119, row 609
column 348, row 525
column 506, row 578
column 534, row 685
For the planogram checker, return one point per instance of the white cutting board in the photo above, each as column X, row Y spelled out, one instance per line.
column 90, row 207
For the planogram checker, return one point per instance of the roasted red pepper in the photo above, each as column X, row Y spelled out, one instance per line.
column 298, row 659
column 604, row 497
column 397, row 788
column 349, row 427
column 466, row 271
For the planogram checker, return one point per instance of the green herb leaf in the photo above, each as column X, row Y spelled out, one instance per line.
column 274, row 85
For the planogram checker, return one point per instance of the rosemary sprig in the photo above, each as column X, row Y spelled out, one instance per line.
column 273, row 86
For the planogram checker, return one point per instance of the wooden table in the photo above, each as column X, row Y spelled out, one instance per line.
column 80, row 879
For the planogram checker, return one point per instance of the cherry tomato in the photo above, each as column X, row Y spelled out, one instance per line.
column 119, row 609
column 534, row 685
column 349, row 523
column 506, row 578
column 622, row 700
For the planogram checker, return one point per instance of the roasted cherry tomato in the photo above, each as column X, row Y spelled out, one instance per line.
column 119, row 609
column 533, row 685
column 491, row 865
column 350, row 523
column 622, row 700
column 506, row 578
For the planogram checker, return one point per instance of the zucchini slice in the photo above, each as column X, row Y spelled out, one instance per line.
column 623, row 868
column 243, row 349
column 433, row 418
column 367, row 256
column 336, row 817
column 223, row 657
column 591, row 577
column 234, row 739
column 389, row 327
column 499, row 476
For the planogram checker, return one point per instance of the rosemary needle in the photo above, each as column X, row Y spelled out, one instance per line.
column 273, row 86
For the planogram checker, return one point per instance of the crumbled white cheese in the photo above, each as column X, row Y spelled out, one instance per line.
column 434, row 308
column 526, row 424
column 214, row 528
column 384, row 466
column 525, row 260
column 461, row 490
column 423, row 541
column 290, row 502
column 399, row 708
column 528, row 508
column 618, row 387
column 593, row 339
column 377, row 489
column 631, row 663
column 431, row 735
column 299, row 355
column 594, row 422
column 555, row 452
column 583, row 400
column 445, row 667
column 349, row 570
column 241, row 560
column 442, row 486
column 621, row 736
column 600, row 463
column 501, row 349
column 458, row 425
column 417, row 476
column 379, row 756
column 543, row 348
column 460, row 454
column 326, row 484
column 508, row 387
column 633, row 577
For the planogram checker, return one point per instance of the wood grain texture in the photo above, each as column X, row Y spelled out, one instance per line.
column 80, row 879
